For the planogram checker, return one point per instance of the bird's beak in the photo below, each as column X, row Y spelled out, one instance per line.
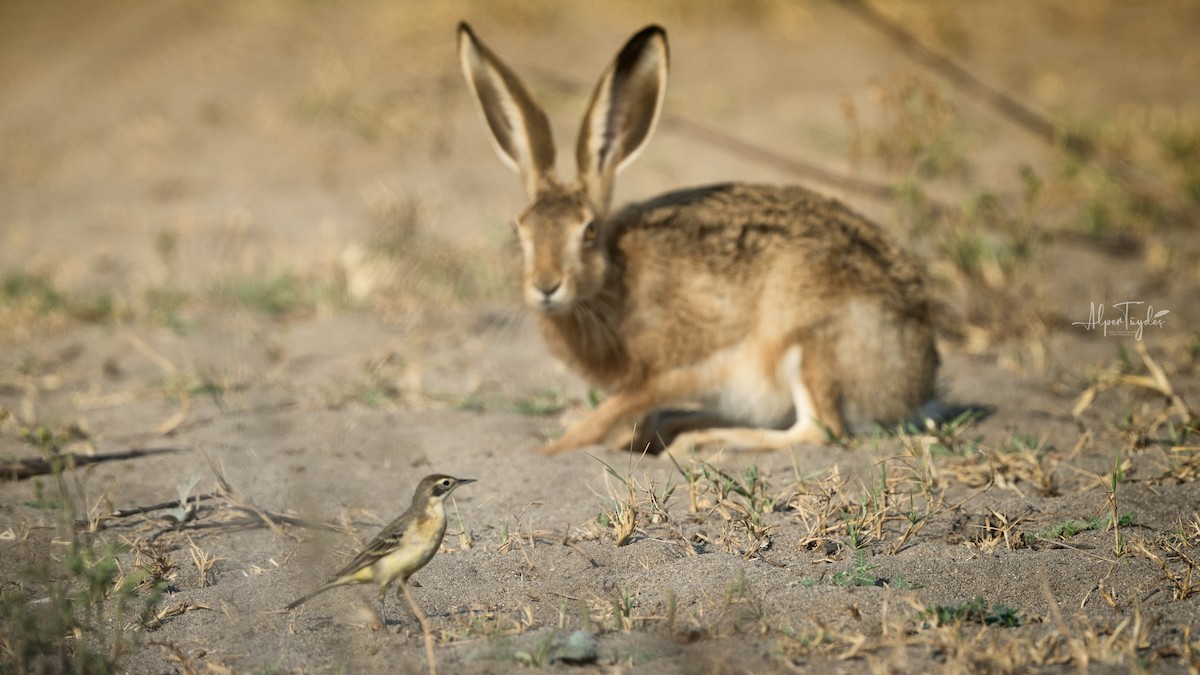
column 464, row 481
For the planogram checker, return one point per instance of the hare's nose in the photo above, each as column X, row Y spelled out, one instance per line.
column 547, row 287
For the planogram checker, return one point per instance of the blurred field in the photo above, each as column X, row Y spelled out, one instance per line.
column 272, row 236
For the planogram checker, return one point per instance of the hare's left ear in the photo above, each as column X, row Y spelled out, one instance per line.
column 520, row 130
column 622, row 113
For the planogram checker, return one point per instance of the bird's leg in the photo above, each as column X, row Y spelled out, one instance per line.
column 383, row 606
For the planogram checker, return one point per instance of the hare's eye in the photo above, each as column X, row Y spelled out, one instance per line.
column 589, row 232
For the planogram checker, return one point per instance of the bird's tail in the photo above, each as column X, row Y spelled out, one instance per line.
column 300, row 601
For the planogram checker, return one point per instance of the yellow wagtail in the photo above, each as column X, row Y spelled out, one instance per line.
column 404, row 546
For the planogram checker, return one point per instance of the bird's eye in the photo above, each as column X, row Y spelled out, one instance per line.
column 589, row 232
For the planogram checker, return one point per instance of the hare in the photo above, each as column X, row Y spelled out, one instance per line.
column 775, row 310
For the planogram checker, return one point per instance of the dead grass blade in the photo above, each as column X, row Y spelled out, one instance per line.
column 1185, row 583
column 1155, row 381
column 203, row 561
column 177, row 656
column 182, row 607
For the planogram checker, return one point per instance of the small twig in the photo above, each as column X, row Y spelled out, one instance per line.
column 243, row 502
column 412, row 603
column 1058, row 543
column 224, row 415
column 1064, row 631
column 566, row 541
column 169, row 370
column 804, row 170
column 737, row 146
column 38, row 466
column 236, row 500
column 1054, row 134
column 178, row 656
column 164, row 364
column 173, row 504
column 182, row 607
column 258, row 514
column 1163, row 385
column 269, row 516
column 270, row 520
column 959, row 76
column 139, row 510
column 1156, row 381
column 206, row 420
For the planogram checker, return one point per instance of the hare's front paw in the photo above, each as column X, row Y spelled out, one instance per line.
column 554, row 448
column 575, row 437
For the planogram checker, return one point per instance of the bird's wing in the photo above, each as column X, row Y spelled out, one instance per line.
column 385, row 542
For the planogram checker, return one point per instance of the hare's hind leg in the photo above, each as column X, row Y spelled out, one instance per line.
column 814, row 395
column 749, row 438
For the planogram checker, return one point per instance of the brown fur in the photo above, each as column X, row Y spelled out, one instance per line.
column 703, row 295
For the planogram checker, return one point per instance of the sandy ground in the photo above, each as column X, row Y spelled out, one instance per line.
column 212, row 179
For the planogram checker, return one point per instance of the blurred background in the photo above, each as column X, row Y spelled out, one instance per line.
column 275, row 231
column 162, row 161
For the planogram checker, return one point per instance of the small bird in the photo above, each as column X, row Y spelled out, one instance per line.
column 406, row 545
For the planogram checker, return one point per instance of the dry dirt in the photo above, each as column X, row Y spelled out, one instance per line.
column 272, row 237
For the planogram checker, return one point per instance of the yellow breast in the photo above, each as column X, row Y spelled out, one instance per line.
column 416, row 548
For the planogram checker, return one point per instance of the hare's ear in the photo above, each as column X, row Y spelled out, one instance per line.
column 622, row 113
column 520, row 130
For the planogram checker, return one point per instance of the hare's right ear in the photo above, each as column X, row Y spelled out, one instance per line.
column 520, row 130
column 622, row 113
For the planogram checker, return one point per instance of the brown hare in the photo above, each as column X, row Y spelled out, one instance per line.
column 779, row 313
